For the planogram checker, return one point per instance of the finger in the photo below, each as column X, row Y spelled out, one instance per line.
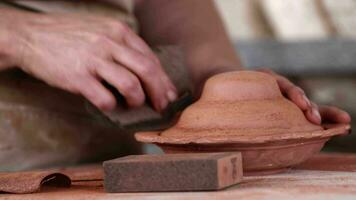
column 124, row 81
column 135, row 42
column 334, row 114
column 284, row 84
column 132, row 40
column 96, row 93
column 289, row 89
column 121, row 33
column 293, row 92
column 297, row 96
column 313, row 114
column 151, row 74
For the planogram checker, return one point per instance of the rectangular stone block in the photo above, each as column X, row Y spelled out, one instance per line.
column 173, row 172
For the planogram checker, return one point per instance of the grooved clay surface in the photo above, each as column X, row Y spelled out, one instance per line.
column 176, row 172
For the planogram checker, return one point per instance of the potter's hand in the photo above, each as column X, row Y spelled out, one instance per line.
column 76, row 53
column 334, row 114
column 314, row 113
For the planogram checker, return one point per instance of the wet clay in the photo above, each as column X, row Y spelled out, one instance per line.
column 245, row 111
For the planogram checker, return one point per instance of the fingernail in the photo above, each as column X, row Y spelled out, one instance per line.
column 163, row 104
column 347, row 117
column 316, row 114
column 307, row 100
column 171, row 96
column 169, row 82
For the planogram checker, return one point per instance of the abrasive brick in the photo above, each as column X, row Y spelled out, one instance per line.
column 173, row 172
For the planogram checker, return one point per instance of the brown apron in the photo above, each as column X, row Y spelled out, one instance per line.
column 41, row 126
column 118, row 9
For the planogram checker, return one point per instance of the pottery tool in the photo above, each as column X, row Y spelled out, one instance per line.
column 145, row 117
column 175, row 172
column 246, row 112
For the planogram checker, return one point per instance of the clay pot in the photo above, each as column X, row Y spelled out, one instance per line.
column 246, row 112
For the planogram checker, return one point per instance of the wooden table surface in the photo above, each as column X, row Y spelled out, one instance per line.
column 325, row 176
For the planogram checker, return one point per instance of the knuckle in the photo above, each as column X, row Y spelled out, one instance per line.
column 140, row 100
column 148, row 68
column 104, row 103
column 289, row 90
column 123, row 28
column 95, row 37
column 148, row 71
column 314, row 105
column 100, row 40
column 130, row 86
column 292, row 90
column 98, row 98
column 299, row 90
column 136, row 99
column 100, row 48
column 133, row 93
column 156, row 59
column 118, row 27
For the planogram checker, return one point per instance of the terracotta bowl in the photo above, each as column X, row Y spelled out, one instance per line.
column 246, row 112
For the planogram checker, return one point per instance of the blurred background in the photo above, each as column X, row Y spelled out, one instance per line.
column 313, row 42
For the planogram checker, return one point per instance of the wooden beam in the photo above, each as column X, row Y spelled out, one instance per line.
column 295, row 19
column 243, row 19
column 342, row 15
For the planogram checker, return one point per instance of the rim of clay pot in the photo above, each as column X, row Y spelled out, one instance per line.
column 329, row 131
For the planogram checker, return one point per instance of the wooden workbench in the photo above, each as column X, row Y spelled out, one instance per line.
column 325, row 176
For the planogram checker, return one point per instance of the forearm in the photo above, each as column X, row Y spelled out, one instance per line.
column 8, row 42
column 197, row 27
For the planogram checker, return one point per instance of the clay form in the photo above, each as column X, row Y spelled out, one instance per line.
column 245, row 111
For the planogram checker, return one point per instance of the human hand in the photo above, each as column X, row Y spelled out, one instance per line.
column 77, row 52
column 314, row 113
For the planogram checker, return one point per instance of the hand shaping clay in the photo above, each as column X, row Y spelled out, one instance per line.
column 245, row 111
